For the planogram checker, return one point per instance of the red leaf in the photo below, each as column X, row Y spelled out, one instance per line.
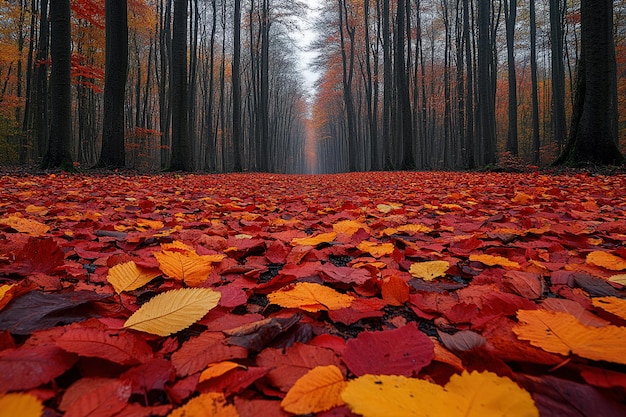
column 38, row 255
column 152, row 375
column 95, row 397
column 403, row 351
column 32, row 366
column 195, row 354
column 121, row 347
column 234, row 381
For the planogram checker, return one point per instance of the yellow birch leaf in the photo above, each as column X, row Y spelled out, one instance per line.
column 311, row 297
column 317, row 390
column 173, row 311
column 189, row 267
column 619, row 279
column 466, row 395
column 377, row 250
column 22, row 225
column 314, row 240
column 218, row 369
column 129, row 276
column 210, row 404
column 429, row 270
column 613, row 305
column 606, row 260
column 562, row 333
column 349, row 227
column 19, row 404
column 386, row 208
column 491, row 260
column 413, row 229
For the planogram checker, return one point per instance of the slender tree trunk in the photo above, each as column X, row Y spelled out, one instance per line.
column 536, row 141
column 41, row 112
column 60, row 139
column 387, row 87
column 236, row 81
column 209, row 160
column 559, row 128
column 485, row 84
column 403, row 109
column 116, row 67
column 510, row 14
column 347, row 75
column 181, row 146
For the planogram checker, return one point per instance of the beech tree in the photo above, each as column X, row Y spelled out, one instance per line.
column 116, row 67
column 592, row 134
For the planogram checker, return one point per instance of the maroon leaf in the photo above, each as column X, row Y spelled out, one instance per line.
column 29, row 367
column 195, row 354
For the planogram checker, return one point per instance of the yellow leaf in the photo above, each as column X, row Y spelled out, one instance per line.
column 189, row 267
column 129, row 276
column 314, row 240
column 466, row 395
column 317, row 390
column 210, row 404
column 491, row 260
column 613, row 305
column 5, row 289
column 22, row 405
column 349, row 227
column 606, row 260
column 173, row 311
column 311, row 297
column 562, row 333
column 429, row 270
column 218, row 369
column 39, row 210
column 376, row 249
column 620, row 279
column 413, row 229
column 22, row 225
column 386, row 208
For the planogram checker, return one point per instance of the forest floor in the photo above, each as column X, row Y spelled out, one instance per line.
column 395, row 293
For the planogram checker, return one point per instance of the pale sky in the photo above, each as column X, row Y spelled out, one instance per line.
column 303, row 39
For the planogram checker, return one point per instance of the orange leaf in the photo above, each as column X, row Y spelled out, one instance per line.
column 413, row 229
column 349, row 227
column 522, row 198
column 562, row 333
column 491, row 260
column 317, row 390
column 22, row 225
column 129, row 276
column 310, row 297
column 314, row 240
column 376, row 249
column 395, row 291
column 613, row 305
column 218, row 369
column 191, row 268
column 210, row 404
column 606, row 260
column 22, row 405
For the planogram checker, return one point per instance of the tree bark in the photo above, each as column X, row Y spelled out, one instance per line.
column 510, row 14
column 116, row 67
column 236, row 81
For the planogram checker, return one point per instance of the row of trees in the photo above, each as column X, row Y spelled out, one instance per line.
column 213, row 84
column 454, row 84
column 154, row 84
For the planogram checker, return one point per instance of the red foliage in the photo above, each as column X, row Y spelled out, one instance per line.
column 61, row 321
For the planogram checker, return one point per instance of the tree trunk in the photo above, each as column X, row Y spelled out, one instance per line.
column 181, row 146
column 591, row 138
column 41, row 104
column 403, row 109
column 60, row 139
column 236, row 81
column 510, row 16
column 116, row 66
column 559, row 128
column 485, row 85
column 536, row 141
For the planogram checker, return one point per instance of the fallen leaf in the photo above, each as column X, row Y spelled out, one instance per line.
column 218, row 369
column 200, row 351
column 402, row 351
column 191, row 268
column 311, row 297
column 429, row 270
column 613, row 305
column 606, row 260
column 375, row 249
column 210, row 404
column 619, row 279
column 394, row 291
column 561, row 333
column 173, row 311
column 95, row 397
column 349, row 227
column 20, row 404
column 462, row 341
column 317, row 390
column 22, row 225
column 129, row 276
column 314, row 240
column 469, row 394
column 491, row 260
column 30, row 366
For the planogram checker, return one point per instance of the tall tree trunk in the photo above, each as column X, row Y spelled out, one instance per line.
column 264, row 97
column 116, row 67
column 591, row 138
column 347, row 75
column 469, row 90
column 41, row 104
column 236, row 81
column 60, row 139
column 387, row 87
column 181, row 146
column 536, row 141
column 209, row 160
column 557, row 16
column 510, row 17
column 485, row 84
column 403, row 109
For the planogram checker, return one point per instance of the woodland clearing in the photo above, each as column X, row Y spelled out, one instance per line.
column 374, row 294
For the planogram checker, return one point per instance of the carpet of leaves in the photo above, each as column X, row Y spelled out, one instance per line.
column 507, row 245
